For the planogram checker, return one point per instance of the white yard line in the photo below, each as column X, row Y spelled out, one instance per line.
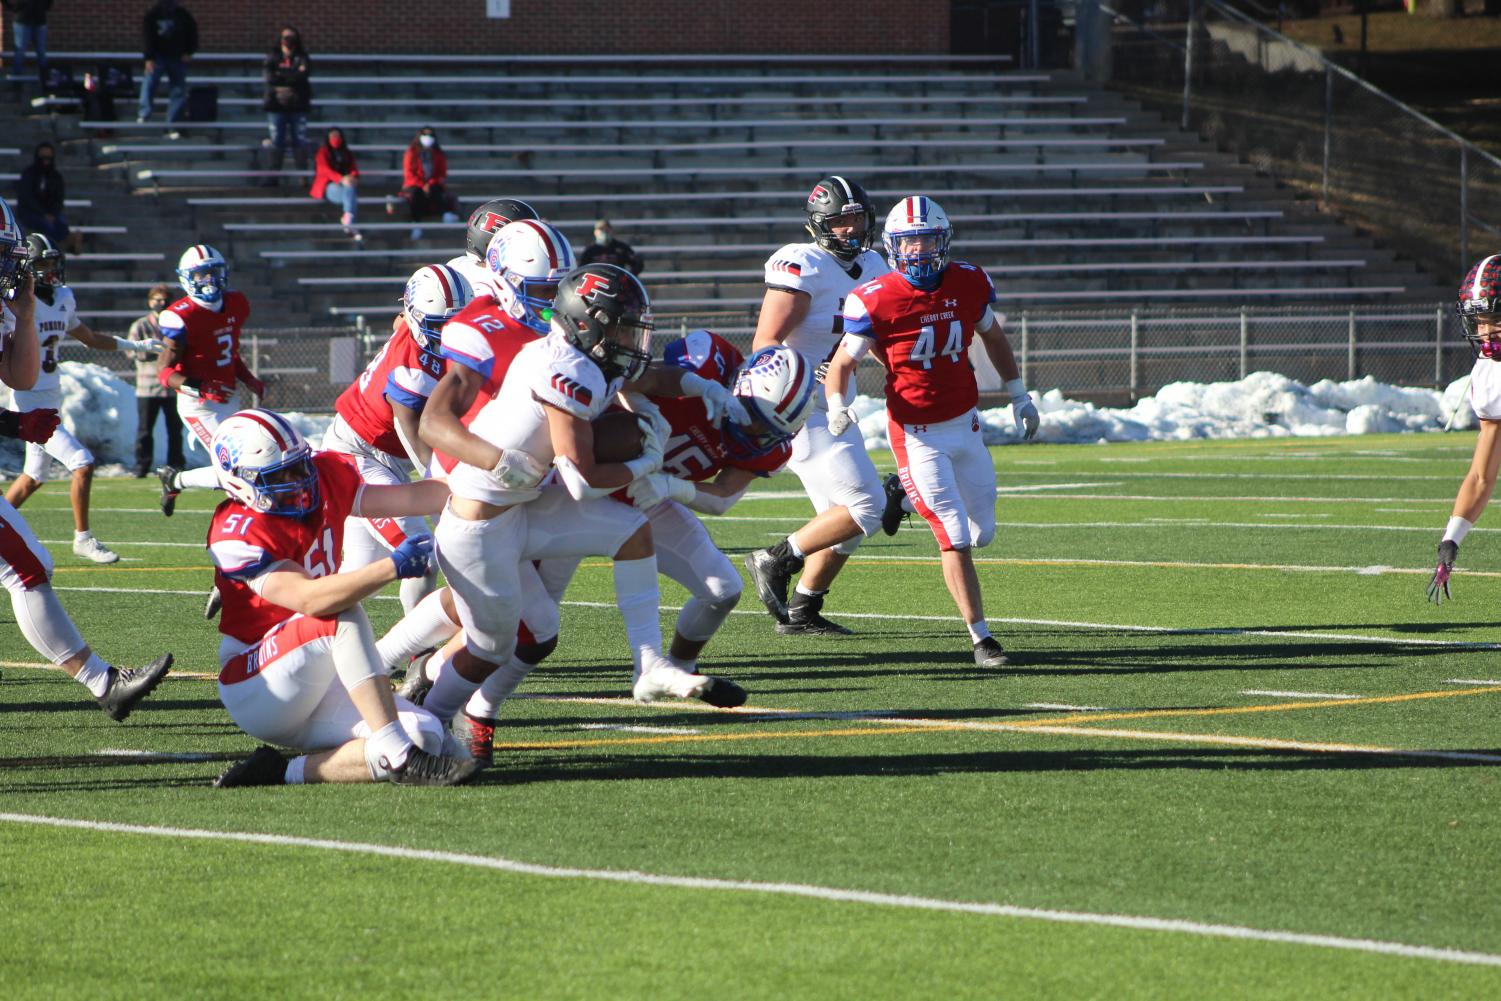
column 622, row 728
column 803, row 890
column 1065, row 708
column 1297, row 695
column 1470, row 681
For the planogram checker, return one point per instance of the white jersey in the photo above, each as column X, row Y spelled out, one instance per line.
column 53, row 321
column 1485, row 389
column 547, row 372
column 808, row 268
column 7, row 327
column 477, row 273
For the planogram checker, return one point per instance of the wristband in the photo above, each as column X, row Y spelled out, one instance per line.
column 1457, row 529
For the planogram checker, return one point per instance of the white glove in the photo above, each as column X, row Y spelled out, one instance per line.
column 840, row 421
column 654, row 488
column 143, row 347
column 518, row 470
column 653, row 437
column 718, row 400
column 1023, row 410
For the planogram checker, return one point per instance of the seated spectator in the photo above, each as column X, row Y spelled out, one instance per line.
column 607, row 250
column 39, row 200
column 424, row 170
column 288, row 97
column 338, row 179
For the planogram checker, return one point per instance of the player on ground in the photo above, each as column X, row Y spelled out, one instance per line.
column 919, row 319
column 376, row 417
column 298, row 665
column 484, row 223
column 806, row 285
column 56, row 316
column 1479, row 309
column 202, row 361
column 25, row 566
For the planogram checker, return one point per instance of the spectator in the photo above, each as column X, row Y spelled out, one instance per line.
column 288, row 97
column 170, row 37
column 607, row 250
column 338, row 179
column 424, row 170
column 152, row 398
column 39, row 200
column 31, row 33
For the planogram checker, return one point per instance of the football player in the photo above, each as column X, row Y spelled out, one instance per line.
column 57, row 314
column 484, row 223
column 919, row 319
column 201, row 360
column 806, row 285
column 298, row 665
column 376, row 418
column 1479, row 308
column 25, row 565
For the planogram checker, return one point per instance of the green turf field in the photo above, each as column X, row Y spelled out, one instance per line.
column 1239, row 756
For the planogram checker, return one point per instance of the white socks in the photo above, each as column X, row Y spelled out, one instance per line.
column 486, row 702
column 796, row 549
column 978, row 631
column 639, row 599
column 1457, row 529
column 450, row 689
column 94, row 675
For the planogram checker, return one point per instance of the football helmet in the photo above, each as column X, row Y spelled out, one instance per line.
column 778, row 388
column 1480, row 299
column 485, row 220
column 705, row 354
column 434, row 295
column 831, row 198
column 44, row 262
column 264, row 463
column 203, row 274
column 529, row 257
column 917, row 240
column 12, row 251
column 604, row 311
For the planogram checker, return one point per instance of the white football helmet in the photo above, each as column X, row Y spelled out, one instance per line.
column 529, row 257
column 435, row 294
column 917, row 240
column 264, row 463
column 777, row 387
column 203, row 273
column 12, row 251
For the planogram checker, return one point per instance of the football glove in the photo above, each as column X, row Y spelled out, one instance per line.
column 652, row 489
column 35, row 426
column 412, row 556
column 518, row 470
column 1438, row 586
column 140, row 349
column 718, row 401
column 840, row 421
column 1023, row 410
column 821, row 371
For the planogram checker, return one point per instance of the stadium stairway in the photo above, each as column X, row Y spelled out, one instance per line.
column 1070, row 195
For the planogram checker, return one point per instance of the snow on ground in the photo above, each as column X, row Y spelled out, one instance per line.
column 100, row 410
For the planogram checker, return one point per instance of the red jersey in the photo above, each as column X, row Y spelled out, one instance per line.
column 923, row 338
column 486, row 339
column 208, row 341
column 402, row 373
column 697, row 450
column 244, row 545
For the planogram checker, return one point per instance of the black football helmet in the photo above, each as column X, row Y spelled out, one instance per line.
column 44, row 263
column 605, row 313
column 485, row 220
column 836, row 196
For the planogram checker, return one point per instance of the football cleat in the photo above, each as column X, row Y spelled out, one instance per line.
column 893, row 513
column 723, row 693
column 803, row 618
column 266, row 766
column 989, row 653
column 771, row 571
column 423, row 769
column 476, row 734
column 211, row 607
column 415, row 686
column 92, row 549
column 130, row 686
column 169, row 492
column 660, row 679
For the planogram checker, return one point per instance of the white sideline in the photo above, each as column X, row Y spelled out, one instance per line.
column 825, row 893
column 1296, row 695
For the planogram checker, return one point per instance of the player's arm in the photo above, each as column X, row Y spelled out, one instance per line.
column 1469, row 504
column 21, row 362
column 782, row 311
column 323, row 597
column 670, row 380
column 400, row 500
column 441, row 427
column 573, row 449
column 720, row 494
column 407, row 421
column 998, row 349
column 249, row 378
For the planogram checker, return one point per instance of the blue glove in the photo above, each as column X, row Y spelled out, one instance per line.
column 412, row 556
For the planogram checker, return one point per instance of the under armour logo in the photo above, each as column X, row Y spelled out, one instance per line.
column 950, row 303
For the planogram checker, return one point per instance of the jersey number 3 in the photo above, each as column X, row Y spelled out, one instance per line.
column 927, row 337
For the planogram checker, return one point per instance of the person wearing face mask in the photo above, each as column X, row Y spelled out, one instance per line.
column 424, row 173
column 39, row 205
column 607, row 250
column 337, row 179
column 287, row 100
column 152, row 398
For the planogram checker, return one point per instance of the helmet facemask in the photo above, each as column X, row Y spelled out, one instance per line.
column 920, row 255
column 535, row 297
column 206, row 282
column 12, row 267
column 1475, row 312
column 856, row 220
column 624, row 351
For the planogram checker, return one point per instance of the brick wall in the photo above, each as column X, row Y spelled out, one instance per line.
column 535, row 26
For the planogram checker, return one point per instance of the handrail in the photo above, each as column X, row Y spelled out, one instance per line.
column 1141, row 27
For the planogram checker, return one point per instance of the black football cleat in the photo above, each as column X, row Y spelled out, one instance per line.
column 476, row 734
column 989, row 653
column 723, row 693
column 211, row 608
column 771, row 571
column 415, row 686
column 169, row 492
column 803, row 618
column 423, row 769
column 266, row 766
column 893, row 513
column 127, row 687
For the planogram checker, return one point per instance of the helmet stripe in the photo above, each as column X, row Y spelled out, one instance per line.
column 259, row 416
column 552, row 251
column 442, row 274
column 1480, row 276
column 849, row 194
column 794, row 406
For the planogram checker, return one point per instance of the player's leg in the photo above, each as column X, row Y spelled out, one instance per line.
column 79, row 462
column 687, row 555
column 201, row 418
column 425, row 628
column 33, row 475
column 368, row 540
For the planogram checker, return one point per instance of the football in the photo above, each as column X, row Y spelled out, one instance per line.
column 617, row 436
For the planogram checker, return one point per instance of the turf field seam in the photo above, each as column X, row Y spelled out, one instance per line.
column 802, row 890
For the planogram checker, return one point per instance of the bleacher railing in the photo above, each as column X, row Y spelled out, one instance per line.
column 1290, row 112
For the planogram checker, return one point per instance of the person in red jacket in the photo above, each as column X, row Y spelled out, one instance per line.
column 424, row 172
column 338, row 179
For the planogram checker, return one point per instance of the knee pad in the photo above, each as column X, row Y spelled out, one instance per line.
column 984, row 538
column 848, row 546
column 866, row 513
column 700, row 619
column 536, row 653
